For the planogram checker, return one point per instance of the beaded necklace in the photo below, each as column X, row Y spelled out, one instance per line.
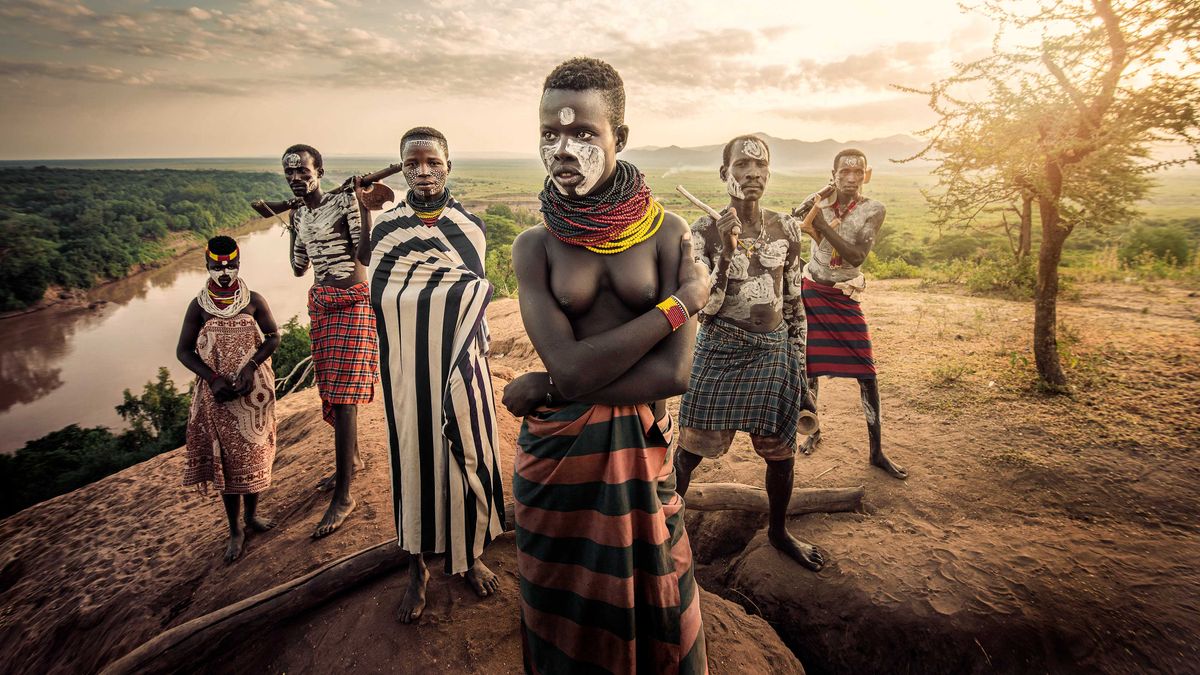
column 758, row 239
column 428, row 212
column 223, row 303
column 841, row 215
column 624, row 215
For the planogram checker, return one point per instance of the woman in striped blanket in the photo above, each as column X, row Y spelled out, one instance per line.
column 429, row 293
column 604, row 562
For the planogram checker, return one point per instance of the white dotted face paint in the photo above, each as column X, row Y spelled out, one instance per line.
column 566, row 116
column 292, row 161
column 419, row 143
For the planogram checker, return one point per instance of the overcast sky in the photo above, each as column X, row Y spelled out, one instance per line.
column 160, row 78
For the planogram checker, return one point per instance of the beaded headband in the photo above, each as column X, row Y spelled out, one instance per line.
column 223, row 259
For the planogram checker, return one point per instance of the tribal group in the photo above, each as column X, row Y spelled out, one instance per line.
column 626, row 304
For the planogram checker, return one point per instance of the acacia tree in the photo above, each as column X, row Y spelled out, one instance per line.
column 1066, row 121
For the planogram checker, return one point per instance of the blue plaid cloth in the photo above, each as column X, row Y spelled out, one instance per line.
column 751, row 382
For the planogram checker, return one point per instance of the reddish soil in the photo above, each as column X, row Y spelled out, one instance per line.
column 1035, row 533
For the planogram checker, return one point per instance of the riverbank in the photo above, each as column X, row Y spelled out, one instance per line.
column 176, row 247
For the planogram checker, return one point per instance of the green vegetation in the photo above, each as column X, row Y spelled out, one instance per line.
column 73, row 228
column 72, row 457
column 295, row 345
column 503, row 225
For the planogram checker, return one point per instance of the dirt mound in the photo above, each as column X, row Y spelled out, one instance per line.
column 459, row 633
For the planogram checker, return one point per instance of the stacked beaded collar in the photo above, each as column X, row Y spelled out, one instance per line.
column 624, row 215
column 428, row 212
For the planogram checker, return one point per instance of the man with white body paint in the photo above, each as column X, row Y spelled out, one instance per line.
column 748, row 371
column 839, row 343
column 429, row 293
column 324, row 233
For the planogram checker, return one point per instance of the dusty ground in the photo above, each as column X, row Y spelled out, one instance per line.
column 1034, row 533
column 89, row 576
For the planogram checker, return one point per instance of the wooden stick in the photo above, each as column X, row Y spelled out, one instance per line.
column 738, row 497
column 186, row 646
column 712, row 213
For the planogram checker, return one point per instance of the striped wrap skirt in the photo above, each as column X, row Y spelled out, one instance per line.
column 605, row 564
column 839, row 343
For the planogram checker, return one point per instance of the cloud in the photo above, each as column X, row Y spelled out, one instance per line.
column 874, row 112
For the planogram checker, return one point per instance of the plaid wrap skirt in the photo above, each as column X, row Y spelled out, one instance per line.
column 345, row 346
column 752, row 382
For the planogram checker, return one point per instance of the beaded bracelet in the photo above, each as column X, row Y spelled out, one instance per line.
column 675, row 311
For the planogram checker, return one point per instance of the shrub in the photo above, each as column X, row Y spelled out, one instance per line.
column 1167, row 243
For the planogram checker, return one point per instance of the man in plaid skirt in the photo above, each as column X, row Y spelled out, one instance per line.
column 748, row 371
column 345, row 349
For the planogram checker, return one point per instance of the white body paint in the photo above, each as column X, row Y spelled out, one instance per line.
column 754, row 149
column 591, row 163
column 566, row 116
column 419, row 142
column 292, row 161
column 732, row 187
column 217, row 274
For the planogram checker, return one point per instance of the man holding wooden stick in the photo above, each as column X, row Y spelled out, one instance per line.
column 324, row 235
column 843, row 231
column 748, row 371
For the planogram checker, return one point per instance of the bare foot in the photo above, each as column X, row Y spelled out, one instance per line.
column 483, row 580
column 260, row 524
column 335, row 515
column 895, row 470
column 413, row 603
column 811, row 443
column 328, row 483
column 804, row 553
column 234, row 550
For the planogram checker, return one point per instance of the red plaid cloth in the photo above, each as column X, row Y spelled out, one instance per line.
column 345, row 347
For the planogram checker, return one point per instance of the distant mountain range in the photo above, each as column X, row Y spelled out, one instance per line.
column 786, row 153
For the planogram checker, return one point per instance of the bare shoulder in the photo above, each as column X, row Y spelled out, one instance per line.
column 874, row 209
column 529, row 247
column 258, row 300
column 673, row 226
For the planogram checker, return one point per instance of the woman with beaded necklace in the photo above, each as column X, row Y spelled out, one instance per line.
column 227, row 340
column 606, row 290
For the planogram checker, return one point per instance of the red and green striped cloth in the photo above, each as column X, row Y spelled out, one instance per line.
column 604, row 561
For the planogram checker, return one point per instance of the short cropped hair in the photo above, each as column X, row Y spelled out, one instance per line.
column 848, row 152
column 318, row 163
column 426, row 133
column 583, row 73
column 222, row 245
column 728, row 151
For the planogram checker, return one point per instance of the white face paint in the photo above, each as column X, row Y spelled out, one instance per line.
column 420, row 143
column 292, row 161
column 566, row 116
column 591, row 160
column 732, row 187
column 216, row 275
column 754, row 149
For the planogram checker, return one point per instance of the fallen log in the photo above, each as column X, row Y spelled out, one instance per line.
column 738, row 497
column 187, row 645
